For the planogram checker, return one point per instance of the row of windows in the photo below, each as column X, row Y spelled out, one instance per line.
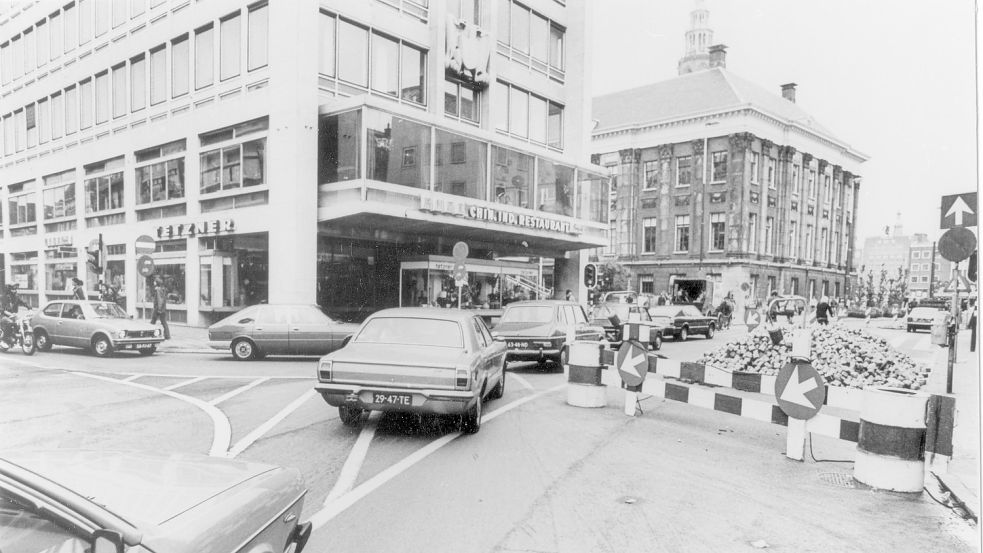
column 129, row 86
column 924, row 266
column 530, row 38
column 64, row 30
column 159, row 176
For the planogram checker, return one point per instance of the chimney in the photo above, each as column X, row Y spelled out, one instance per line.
column 788, row 92
column 718, row 56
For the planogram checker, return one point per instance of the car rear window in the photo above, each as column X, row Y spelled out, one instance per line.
column 926, row 312
column 411, row 331
column 528, row 314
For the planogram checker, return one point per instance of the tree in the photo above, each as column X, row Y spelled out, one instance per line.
column 899, row 288
column 612, row 276
column 882, row 288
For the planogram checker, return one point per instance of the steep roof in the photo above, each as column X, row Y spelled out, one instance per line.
column 711, row 90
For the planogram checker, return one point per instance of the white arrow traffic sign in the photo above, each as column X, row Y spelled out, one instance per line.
column 632, row 363
column 795, row 392
column 958, row 210
column 959, row 207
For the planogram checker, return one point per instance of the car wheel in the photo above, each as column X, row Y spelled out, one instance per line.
column 710, row 331
column 350, row 415
column 148, row 351
column 499, row 390
column 101, row 346
column 471, row 421
column 564, row 357
column 42, row 341
column 683, row 334
column 243, row 350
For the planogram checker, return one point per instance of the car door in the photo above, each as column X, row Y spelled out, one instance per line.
column 496, row 350
column 697, row 322
column 582, row 327
column 270, row 330
column 52, row 323
column 310, row 331
column 484, row 352
column 73, row 325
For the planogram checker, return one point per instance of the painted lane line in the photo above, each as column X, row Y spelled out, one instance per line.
column 7, row 358
column 262, row 429
column 185, row 383
column 341, row 504
column 238, row 391
column 525, row 383
column 356, row 458
column 215, row 376
column 132, row 378
column 222, row 434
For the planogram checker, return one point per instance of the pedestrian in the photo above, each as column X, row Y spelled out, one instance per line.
column 823, row 311
column 773, row 307
column 569, row 296
column 971, row 325
column 160, row 307
column 78, row 291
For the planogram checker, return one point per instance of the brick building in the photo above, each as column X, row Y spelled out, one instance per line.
column 923, row 254
column 718, row 178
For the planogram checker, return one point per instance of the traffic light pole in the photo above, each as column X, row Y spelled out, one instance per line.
column 953, row 329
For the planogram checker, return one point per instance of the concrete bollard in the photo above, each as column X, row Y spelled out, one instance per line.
column 584, row 388
column 891, row 444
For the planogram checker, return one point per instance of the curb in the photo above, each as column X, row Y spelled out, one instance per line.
column 176, row 349
column 960, row 493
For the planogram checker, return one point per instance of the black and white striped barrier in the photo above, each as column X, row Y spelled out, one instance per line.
column 584, row 386
column 891, row 446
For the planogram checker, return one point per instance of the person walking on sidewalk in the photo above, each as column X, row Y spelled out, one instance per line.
column 78, row 292
column 971, row 325
column 822, row 311
column 160, row 307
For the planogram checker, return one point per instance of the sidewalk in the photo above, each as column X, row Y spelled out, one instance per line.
column 188, row 339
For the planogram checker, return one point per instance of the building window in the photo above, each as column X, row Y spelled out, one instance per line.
column 684, row 170
column 44, row 121
column 460, row 101
column 824, row 244
column 771, row 173
column 22, row 203
column 231, row 47
column 57, row 115
column 769, row 235
column 651, row 169
column 326, row 32
column 469, row 180
column 555, row 187
column 827, row 190
column 794, row 286
column 204, row 57
column 102, row 17
column 104, row 186
column 56, row 36
column 31, row 125
column 85, row 20
column 755, row 157
column 353, row 59
column 682, row 233
column 163, row 177
column 810, row 247
column 646, row 284
column 257, row 49
column 719, row 166
column 41, row 30
column 385, row 65
column 234, row 165
column 465, row 10
column 137, row 7
column 119, row 90
column 138, row 83
column 58, row 196
column 793, row 239
column 718, row 235
column 158, row 75
column 812, row 184
column 530, row 117
column 388, row 135
column 102, row 97
column 752, row 232
column 179, row 66
column 649, row 229
column 71, row 27
column 796, row 182
column 531, row 39
column 512, row 177
column 119, row 12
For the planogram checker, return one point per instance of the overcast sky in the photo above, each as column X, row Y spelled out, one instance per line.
column 894, row 79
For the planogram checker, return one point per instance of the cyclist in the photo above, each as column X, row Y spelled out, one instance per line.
column 9, row 304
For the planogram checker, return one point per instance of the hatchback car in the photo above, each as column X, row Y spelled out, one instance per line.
column 681, row 321
column 922, row 318
column 104, row 502
column 538, row 330
column 100, row 326
column 261, row 330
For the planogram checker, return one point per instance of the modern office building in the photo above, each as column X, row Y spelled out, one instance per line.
column 927, row 267
column 890, row 252
column 328, row 151
column 719, row 178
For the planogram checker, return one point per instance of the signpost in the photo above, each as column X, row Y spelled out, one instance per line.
column 958, row 243
column 800, row 392
column 752, row 319
column 460, row 271
column 632, row 363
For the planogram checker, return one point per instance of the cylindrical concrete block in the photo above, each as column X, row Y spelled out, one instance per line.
column 891, row 443
column 584, row 388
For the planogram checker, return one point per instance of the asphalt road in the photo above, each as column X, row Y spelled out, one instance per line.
column 539, row 476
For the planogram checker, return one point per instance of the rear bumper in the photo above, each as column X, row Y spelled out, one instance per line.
column 531, row 354
column 440, row 402
column 220, row 344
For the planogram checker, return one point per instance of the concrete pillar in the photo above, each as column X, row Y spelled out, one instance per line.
column 568, row 274
column 293, row 152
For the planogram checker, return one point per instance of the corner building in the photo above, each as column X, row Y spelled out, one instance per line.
column 328, row 152
column 718, row 178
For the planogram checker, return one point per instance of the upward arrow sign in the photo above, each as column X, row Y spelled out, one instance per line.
column 959, row 207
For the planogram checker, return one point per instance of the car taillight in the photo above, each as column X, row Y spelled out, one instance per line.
column 463, row 380
column 324, row 371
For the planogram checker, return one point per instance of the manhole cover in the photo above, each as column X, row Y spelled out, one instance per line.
column 840, row 479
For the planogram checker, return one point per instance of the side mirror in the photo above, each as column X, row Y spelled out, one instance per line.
column 345, row 340
column 245, row 321
column 107, row 541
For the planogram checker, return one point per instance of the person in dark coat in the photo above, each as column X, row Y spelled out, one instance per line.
column 78, row 292
column 160, row 307
column 823, row 311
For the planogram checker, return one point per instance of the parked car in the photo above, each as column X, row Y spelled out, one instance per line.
column 417, row 360
column 922, row 318
column 107, row 502
column 613, row 316
column 537, row 330
column 681, row 321
column 265, row 329
column 100, row 326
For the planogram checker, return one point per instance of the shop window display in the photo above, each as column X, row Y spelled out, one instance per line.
column 61, row 266
column 234, row 271
column 173, row 278
column 556, row 188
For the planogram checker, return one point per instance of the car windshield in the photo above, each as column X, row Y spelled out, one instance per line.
column 528, row 314
column 26, row 528
column 926, row 312
column 108, row 311
column 411, row 331
column 663, row 311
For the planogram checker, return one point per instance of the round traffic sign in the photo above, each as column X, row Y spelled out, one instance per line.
column 145, row 265
column 460, row 272
column 957, row 244
column 461, row 251
column 800, row 390
column 752, row 319
column 145, row 244
column 632, row 362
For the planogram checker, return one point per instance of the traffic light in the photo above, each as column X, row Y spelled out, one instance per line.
column 971, row 268
column 590, row 275
column 93, row 261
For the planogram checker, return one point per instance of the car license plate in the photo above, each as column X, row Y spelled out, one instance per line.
column 516, row 345
column 140, row 346
column 392, row 399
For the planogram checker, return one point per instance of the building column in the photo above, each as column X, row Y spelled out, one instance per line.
column 293, row 152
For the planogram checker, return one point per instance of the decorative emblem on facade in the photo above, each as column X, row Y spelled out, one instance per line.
column 467, row 51
column 825, row 214
column 741, row 140
column 766, row 147
column 665, row 151
column 772, row 202
column 697, row 147
column 810, row 210
column 822, row 165
column 755, row 198
column 806, row 159
column 795, row 205
column 718, row 197
column 650, row 203
column 681, row 201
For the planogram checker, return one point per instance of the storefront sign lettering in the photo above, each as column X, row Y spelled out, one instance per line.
column 52, row 241
column 191, row 230
column 521, row 220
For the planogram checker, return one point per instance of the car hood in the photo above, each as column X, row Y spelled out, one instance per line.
column 398, row 354
column 523, row 329
column 140, row 487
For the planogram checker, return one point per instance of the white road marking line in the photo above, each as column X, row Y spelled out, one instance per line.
column 356, row 458
column 185, row 383
column 222, row 435
column 525, row 383
column 132, row 378
column 219, row 376
column 239, row 390
column 256, row 434
column 342, row 503
column 7, row 357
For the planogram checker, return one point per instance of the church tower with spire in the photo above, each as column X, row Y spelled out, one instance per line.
column 699, row 37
